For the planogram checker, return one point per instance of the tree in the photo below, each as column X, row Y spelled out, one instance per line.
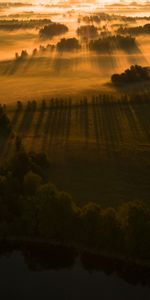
column 35, row 52
column 91, row 224
column 24, row 55
column 112, row 237
column 134, row 74
column 31, row 183
column 136, row 224
column 87, row 31
column 68, row 44
column 51, row 30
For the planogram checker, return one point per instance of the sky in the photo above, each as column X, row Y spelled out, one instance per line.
column 56, row 1
column 102, row 2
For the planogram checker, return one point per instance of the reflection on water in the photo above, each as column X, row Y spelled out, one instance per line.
column 54, row 273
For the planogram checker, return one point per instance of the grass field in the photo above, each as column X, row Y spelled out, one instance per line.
column 99, row 151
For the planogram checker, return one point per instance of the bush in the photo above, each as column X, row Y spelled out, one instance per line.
column 110, row 43
column 51, row 30
column 68, row 44
column 134, row 74
column 135, row 30
column 87, row 31
column 31, row 183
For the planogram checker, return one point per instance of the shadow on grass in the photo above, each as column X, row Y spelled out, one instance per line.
column 27, row 118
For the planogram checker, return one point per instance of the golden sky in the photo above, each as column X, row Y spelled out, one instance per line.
column 82, row 1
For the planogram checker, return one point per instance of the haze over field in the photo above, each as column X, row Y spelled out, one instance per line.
column 71, row 71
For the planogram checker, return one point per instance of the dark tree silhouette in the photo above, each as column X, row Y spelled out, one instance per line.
column 68, row 44
column 51, row 30
column 134, row 74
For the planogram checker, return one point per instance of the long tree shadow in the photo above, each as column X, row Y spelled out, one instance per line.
column 62, row 121
column 39, row 123
column 84, row 120
column 109, row 126
column 114, row 124
column 110, row 132
column 57, row 132
column 68, row 108
column 142, row 113
column 56, row 111
column 6, row 141
column 133, row 123
column 13, row 66
column 106, row 124
column 47, row 125
column 100, row 119
column 95, row 122
column 122, row 120
column 76, row 108
column 16, row 116
column 27, row 118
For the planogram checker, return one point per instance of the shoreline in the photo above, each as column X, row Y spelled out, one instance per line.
column 79, row 249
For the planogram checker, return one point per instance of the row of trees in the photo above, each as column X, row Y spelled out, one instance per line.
column 31, row 206
column 103, row 44
column 100, row 17
column 145, row 29
column 70, row 44
column 15, row 24
column 110, row 43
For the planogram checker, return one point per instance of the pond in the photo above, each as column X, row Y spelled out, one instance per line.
column 25, row 276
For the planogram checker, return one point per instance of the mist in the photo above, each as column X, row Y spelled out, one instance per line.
column 74, row 72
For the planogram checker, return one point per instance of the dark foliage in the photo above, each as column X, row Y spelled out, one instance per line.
column 68, row 44
column 87, row 31
column 99, row 17
column 5, row 125
column 13, row 24
column 110, row 43
column 135, row 30
column 33, row 207
column 51, row 30
column 23, row 56
column 134, row 74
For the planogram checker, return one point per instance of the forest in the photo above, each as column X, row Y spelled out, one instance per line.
column 31, row 206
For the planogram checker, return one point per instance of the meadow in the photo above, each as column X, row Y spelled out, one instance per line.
column 98, row 148
column 77, row 71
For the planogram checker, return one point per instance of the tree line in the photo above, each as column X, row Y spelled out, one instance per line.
column 15, row 24
column 100, row 17
column 103, row 44
column 145, row 29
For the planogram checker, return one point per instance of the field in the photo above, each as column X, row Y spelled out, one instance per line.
column 99, row 150
column 47, row 72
